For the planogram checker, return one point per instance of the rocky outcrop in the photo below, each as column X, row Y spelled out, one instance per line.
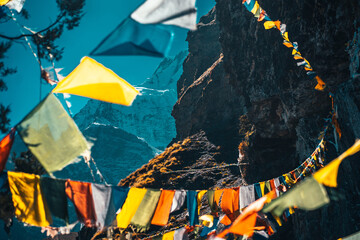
column 242, row 88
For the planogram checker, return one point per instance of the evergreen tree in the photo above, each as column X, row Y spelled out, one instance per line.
column 42, row 43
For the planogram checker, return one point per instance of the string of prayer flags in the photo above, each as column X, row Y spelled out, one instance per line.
column 80, row 193
column 254, row 7
column 132, row 202
column 93, row 80
column 328, row 175
column 27, row 197
column 51, row 135
column 5, row 147
column 308, row 195
column 162, row 211
column 133, row 38
column 192, row 207
column 53, row 191
column 180, row 13
column 142, row 218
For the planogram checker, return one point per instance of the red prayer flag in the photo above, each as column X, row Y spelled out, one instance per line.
column 5, row 147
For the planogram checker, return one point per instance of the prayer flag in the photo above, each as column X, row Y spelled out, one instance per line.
column 307, row 195
column 80, row 193
column 5, row 147
column 192, row 207
column 130, row 206
column 30, row 207
column 3, row 2
column 161, row 215
column 51, row 135
column 15, row 4
column 230, row 203
column 119, row 196
column 328, row 174
column 320, row 84
column 142, row 218
column 178, row 200
column 247, row 196
column 53, row 191
column 93, row 80
column 133, row 38
column 181, row 13
column 245, row 224
column 103, row 204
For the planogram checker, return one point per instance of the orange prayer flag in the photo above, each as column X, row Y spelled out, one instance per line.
column 287, row 44
column 217, row 196
column 277, row 24
column 245, row 223
column 308, row 69
column 297, row 57
column 81, row 195
column 320, row 84
column 5, row 147
column 162, row 211
column 230, row 203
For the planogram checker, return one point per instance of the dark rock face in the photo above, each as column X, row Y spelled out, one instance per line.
column 241, row 87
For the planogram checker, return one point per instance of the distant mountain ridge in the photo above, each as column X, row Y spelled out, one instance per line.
column 149, row 117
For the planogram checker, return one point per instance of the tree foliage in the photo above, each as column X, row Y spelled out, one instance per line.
column 43, row 42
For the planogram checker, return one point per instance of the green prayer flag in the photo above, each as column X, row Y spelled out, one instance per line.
column 307, row 195
column 142, row 218
column 212, row 204
column 51, row 135
column 54, row 192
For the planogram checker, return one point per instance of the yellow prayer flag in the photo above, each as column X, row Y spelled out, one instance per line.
column 169, row 236
column 328, row 175
column 269, row 24
column 262, row 188
column 294, row 51
column 286, row 36
column 130, row 207
column 255, row 8
column 93, row 80
column 3, row 2
column 199, row 197
column 29, row 204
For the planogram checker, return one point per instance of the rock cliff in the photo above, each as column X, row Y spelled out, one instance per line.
column 241, row 87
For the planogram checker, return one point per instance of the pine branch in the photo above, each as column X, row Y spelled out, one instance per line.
column 34, row 34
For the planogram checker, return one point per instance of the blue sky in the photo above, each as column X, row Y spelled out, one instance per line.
column 100, row 18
